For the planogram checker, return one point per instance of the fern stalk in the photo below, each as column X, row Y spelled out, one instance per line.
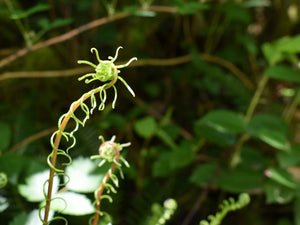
column 105, row 71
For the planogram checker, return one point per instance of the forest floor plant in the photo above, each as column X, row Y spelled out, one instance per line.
column 105, row 71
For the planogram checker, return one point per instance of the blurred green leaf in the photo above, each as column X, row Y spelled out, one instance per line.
column 26, row 13
column 290, row 158
column 183, row 155
column 162, row 166
column 266, row 121
column 5, row 134
column 285, row 73
column 274, row 138
column 213, row 135
column 240, row 180
column 224, row 121
column 281, row 176
column 12, row 163
column 166, row 138
column 236, row 12
column 190, row 7
column 253, row 159
column 47, row 25
column 281, row 49
column 270, row 129
column 145, row 127
column 204, row 173
column 19, row 219
column 277, row 193
column 257, row 3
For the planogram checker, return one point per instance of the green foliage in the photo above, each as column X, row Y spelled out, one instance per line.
column 216, row 113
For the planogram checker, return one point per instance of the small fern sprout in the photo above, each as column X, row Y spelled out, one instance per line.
column 225, row 207
column 109, row 151
column 106, row 71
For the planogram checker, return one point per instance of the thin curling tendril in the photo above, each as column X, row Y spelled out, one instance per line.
column 106, row 71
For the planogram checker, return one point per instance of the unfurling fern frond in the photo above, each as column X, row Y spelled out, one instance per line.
column 227, row 206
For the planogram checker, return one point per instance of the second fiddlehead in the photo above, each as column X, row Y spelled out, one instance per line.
column 105, row 71
column 109, row 152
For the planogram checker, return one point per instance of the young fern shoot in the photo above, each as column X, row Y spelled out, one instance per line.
column 109, row 151
column 106, row 71
column 226, row 207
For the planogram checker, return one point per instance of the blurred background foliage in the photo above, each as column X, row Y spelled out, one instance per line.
column 215, row 113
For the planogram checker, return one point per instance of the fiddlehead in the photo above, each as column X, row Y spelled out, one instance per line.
column 109, row 151
column 226, row 207
column 106, row 71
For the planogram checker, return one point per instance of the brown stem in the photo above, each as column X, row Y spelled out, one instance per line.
column 58, row 136
column 102, row 186
column 77, row 31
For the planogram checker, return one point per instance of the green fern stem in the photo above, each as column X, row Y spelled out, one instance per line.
column 60, row 133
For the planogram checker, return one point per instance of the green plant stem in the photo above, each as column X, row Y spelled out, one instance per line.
column 66, row 119
column 292, row 108
column 235, row 159
column 256, row 97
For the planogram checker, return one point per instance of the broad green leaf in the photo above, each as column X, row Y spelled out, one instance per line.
column 281, row 176
column 80, row 177
column 33, row 189
column 266, row 121
column 35, row 9
column 285, row 73
column 291, row 158
column 70, row 203
column 145, row 127
column 224, row 121
column 277, row 193
column 270, row 129
column 274, row 138
column 204, row 173
column 5, row 134
column 290, row 44
column 240, row 180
